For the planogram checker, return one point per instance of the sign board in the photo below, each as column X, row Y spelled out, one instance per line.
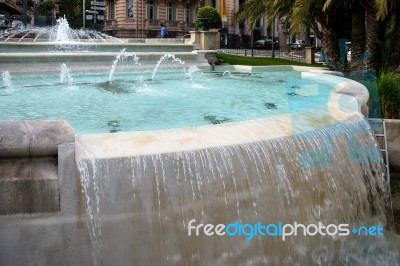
column 98, row 8
column 100, row 17
column 92, row 12
column 89, row 17
column 95, row 3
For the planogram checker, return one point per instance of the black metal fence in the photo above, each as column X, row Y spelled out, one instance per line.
column 243, row 45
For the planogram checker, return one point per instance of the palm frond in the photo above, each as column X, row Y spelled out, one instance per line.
column 251, row 12
column 327, row 5
column 300, row 12
column 382, row 9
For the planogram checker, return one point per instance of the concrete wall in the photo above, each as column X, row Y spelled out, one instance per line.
column 42, row 219
column 393, row 143
column 28, row 165
column 203, row 40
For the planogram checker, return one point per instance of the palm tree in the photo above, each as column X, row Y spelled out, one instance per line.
column 364, row 33
column 357, row 35
column 372, row 26
column 301, row 13
column 388, row 11
column 251, row 11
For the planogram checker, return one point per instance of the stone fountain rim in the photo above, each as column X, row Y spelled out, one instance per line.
column 140, row 143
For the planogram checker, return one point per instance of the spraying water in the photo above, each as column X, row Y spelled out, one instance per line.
column 164, row 59
column 6, row 80
column 65, row 76
column 61, row 33
column 227, row 73
column 122, row 55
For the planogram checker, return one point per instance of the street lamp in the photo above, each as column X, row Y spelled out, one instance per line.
column 285, row 24
column 83, row 14
column 273, row 38
column 25, row 12
column 35, row 2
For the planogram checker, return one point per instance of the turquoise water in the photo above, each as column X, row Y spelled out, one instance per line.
column 136, row 102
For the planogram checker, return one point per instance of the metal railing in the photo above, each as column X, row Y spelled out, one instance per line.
column 295, row 55
column 145, row 33
column 242, row 45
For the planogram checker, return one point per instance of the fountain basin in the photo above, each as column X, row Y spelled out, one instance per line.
column 34, row 47
column 141, row 143
column 140, row 190
column 246, row 171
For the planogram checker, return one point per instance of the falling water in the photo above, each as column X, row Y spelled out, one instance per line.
column 164, row 59
column 189, row 73
column 65, row 76
column 6, row 79
column 227, row 73
column 140, row 206
column 122, row 55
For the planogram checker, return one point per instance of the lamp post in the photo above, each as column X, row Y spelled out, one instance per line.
column 35, row 2
column 282, row 32
column 273, row 39
column 137, row 18
column 25, row 13
column 285, row 24
column 83, row 14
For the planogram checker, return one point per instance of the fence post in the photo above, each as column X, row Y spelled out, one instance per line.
column 310, row 57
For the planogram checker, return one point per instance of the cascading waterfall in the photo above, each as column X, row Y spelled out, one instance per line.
column 138, row 208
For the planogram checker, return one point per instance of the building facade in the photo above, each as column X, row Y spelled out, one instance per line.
column 142, row 19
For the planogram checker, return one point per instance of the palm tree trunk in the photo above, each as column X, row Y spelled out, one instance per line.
column 395, row 58
column 357, row 36
column 372, row 54
column 331, row 47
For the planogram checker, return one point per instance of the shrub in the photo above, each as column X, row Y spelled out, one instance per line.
column 214, row 18
column 389, row 95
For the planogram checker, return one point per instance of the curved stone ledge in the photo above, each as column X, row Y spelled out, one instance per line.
column 31, row 138
column 344, row 86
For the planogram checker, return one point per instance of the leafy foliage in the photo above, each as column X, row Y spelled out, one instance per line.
column 214, row 18
column 45, row 8
column 389, row 95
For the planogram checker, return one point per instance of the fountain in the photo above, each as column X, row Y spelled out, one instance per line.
column 160, row 158
column 48, row 47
